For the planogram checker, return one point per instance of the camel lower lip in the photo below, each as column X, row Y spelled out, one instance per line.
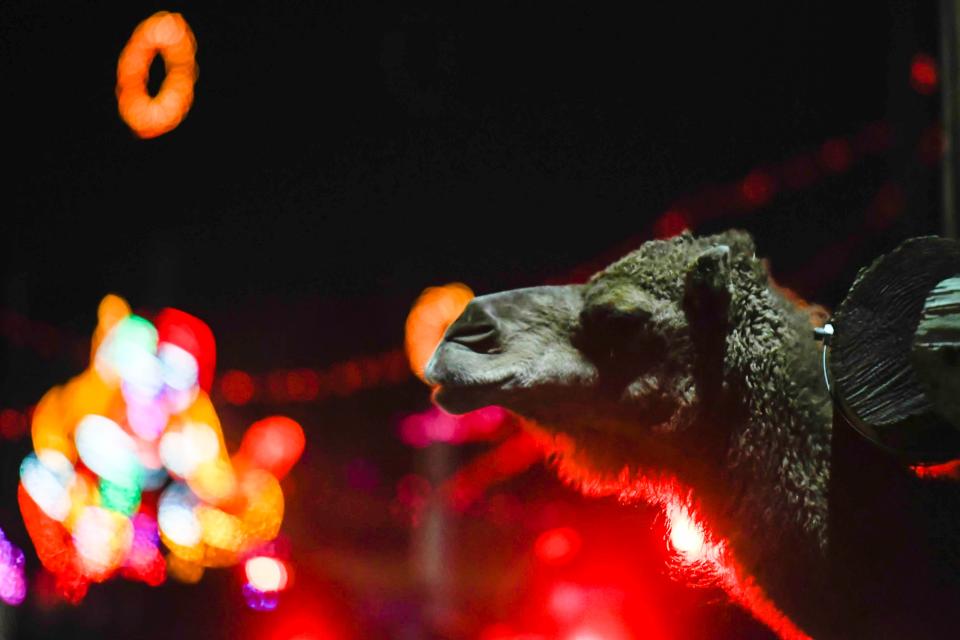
column 459, row 399
column 453, row 399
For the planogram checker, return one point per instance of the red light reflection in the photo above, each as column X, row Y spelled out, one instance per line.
column 948, row 470
column 557, row 546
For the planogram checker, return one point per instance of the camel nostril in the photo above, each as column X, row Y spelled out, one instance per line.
column 485, row 342
column 475, row 329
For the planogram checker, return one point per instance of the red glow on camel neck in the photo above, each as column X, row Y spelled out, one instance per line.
column 695, row 549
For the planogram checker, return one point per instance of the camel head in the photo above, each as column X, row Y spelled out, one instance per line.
column 629, row 359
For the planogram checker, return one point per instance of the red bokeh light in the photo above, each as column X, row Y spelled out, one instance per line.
column 608, row 625
column 836, row 155
column 237, row 387
column 192, row 335
column 511, row 456
column 435, row 425
column 672, row 223
column 757, row 188
column 13, row 424
column 924, row 76
column 346, row 378
column 567, row 601
column 305, row 627
column 309, row 610
column 557, row 546
column 274, row 444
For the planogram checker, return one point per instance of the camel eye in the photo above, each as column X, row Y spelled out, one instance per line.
column 607, row 334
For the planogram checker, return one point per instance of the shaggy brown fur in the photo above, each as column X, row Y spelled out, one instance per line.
column 683, row 358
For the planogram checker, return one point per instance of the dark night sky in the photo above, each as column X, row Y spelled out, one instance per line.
column 364, row 151
column 339, row 157
column 359, row 149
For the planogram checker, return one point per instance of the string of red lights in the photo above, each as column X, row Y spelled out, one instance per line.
column 757, row 189
column 341, row 379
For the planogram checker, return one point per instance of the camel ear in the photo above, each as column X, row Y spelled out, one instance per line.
column 707, row 287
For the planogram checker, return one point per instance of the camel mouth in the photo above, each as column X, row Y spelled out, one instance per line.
column 463, row 399
column 458, row 388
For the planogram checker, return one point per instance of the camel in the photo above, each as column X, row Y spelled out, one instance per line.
column 683, row 376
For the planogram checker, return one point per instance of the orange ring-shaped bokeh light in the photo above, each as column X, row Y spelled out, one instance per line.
column 169, row 35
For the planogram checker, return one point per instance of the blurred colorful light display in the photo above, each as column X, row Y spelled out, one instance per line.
column 130, row 454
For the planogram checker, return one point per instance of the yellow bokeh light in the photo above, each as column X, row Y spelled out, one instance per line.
column 111, row 311
column 183, row 570
column 220, row 529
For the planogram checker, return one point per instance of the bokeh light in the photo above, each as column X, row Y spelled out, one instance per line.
column 557, row 546
column 137, row 429
column 836, row 155
column 168, row 35
column 436, row 425
column 13, row 581
column 924, row 76
column 237, row 387
column 266, row 574
column 670, row 224
column 432, row 313
column 260, row 600
column 273, row 444
column 758, row 188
